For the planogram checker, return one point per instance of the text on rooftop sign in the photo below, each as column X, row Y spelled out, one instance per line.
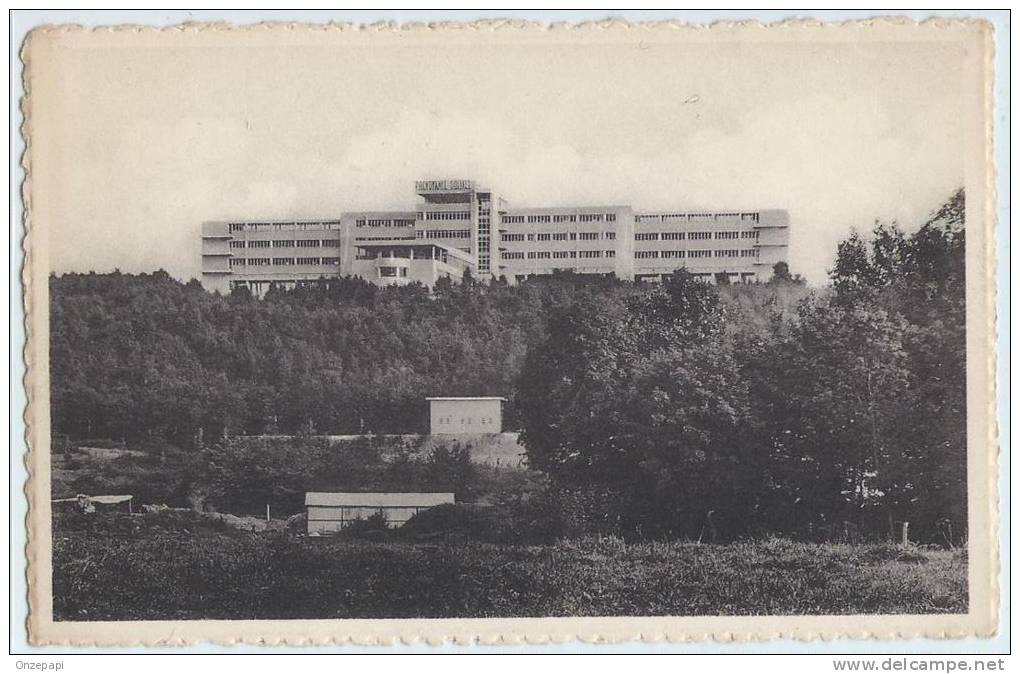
column 443, row 185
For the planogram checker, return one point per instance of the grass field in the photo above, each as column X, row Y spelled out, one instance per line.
column 145, row 568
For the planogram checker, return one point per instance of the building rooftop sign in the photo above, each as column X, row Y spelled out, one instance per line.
column 443, row 185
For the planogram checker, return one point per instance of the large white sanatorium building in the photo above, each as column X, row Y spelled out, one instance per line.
column 460, row 225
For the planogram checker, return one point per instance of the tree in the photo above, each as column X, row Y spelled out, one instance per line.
column 889, row 254
column 853, row 276
column 781, row 273
column 635, row 405
column 684, row 308
column 568, row 381
column 842, row 379
column 685, row 438
column 918, row 280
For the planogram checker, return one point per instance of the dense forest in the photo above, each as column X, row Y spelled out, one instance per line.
column 668, row 410
column 677, row 412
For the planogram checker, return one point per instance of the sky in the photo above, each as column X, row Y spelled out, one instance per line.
column 158, row 135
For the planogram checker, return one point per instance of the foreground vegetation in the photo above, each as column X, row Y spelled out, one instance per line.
column 168, row 566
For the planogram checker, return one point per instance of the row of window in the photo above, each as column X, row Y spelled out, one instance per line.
column 675, row 217
column 565, row 217
column 560, row 236
column 282, row 261
column 466, row 215
column 557, row 254
column 282, row 226
column 465, row 421
column 543, row 236
column 514, row 255
column 444, row 215
column 484, row 239
column 384, row 222
column 680, row 236
column 287, row 243
column 665, row 254
column 657, row 254
column 444, row 234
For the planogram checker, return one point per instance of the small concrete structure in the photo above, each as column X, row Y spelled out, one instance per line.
column 329, row 512
column 449, row 416
column 87, row 504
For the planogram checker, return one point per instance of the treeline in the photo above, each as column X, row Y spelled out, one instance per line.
column 673, row 415
column 135, row 357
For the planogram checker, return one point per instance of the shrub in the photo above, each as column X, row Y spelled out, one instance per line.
column 373, row 524
column 451, row 520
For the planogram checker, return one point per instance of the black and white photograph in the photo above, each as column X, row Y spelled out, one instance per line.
column 466, row 323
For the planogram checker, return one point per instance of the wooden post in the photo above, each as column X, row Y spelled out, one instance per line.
column 906, row 538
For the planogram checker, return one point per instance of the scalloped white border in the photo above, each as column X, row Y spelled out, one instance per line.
column 982, row 431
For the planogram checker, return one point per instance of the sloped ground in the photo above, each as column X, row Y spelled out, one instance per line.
column 190, row 567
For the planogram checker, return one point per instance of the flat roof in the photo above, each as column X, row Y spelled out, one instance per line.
column 400, row 214
column 467, row 398
column 377, row 499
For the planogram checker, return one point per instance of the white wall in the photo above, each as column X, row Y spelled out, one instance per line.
column 466, row 416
